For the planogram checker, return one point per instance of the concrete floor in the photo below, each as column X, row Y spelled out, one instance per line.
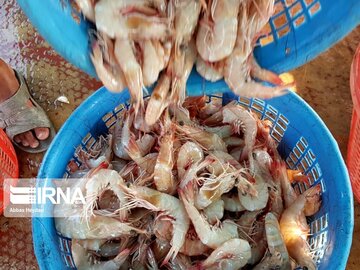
column 323, row 83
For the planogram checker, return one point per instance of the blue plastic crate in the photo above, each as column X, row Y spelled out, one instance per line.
column 298, row 31
column 303, row 141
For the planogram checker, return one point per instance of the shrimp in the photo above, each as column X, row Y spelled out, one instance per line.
column 214, row 212
column 189, row 153
column 181, row 262
column 132, row 70
column 278, row 255
column 242, row 119
column 150, row 198
column 193, row 170
column 295, row 230
column 232, row 203
column 212, row 236
column 206, row 139
column 252, row 202
column 112, row 78
column 222, row 131
column 216, row 36
column 234, row 141
column 213, row 188
column 153, row 60
column 236, row 69
column 97, row 227
column 181, row 72
column 192, row 245
column 100, row 182
column 210, row 71
column 120, row 140
column 159, row 99
column 81, row 259
column 163, row 176
column 87, row 8
column 247, row 223
column 231, row 255
column 128, row 19
column 145, row 143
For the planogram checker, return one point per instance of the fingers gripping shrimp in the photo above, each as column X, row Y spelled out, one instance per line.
column 212, row 236
column 231, row 255
column 189, row 154
column 172, row 207
column 112, row 78
column 132, row 70
column 217, row 30
column 295, row 231
column 82, row 262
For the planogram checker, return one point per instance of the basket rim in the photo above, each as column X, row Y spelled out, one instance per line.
column 40, row 226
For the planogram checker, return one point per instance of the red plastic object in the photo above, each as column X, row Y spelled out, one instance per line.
column 9, row 167
column 353, row 156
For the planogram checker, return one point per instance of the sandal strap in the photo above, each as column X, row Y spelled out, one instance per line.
column 21, row 113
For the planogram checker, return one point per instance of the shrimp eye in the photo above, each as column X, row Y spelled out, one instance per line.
column 181, row 123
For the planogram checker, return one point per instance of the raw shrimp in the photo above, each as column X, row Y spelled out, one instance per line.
column 278, row 257
column 158, row 101
column 217, row 31
column 242, row 119
column 252, row 202
column 232, row 203
column 247, row 223
column 231, row 255
column 130, row 19
column 132, row 71
column 212, row 236
column 206, row 139
column 145, row 143
column 234, row 141
column 222, row 131
column 222, row 162
column 191, row 173
column 237, row 68
column 112, row 77
column 97, row 227
column 181, row 262
column 214, row 212
column 150, row 198
column 181, row 73
column 295, row 230
column 189, row 153
column 210, row 71
column 212, row 188
column 163, row 176
column 81, row 259
column 192, row 245
column 87, row 8
column 121, row 138
column 104, row 180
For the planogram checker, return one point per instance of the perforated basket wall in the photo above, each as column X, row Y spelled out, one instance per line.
column 298, row 31
column 303, row 141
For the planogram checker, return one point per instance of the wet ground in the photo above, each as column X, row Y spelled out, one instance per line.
column 323, row 83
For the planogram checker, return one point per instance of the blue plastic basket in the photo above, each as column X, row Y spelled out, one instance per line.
column 304, row 142
column 298, row 32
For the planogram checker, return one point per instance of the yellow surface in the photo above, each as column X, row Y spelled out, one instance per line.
column 323, row 83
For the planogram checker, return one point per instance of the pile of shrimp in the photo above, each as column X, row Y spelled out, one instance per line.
column 141, row 43
column 201, row 189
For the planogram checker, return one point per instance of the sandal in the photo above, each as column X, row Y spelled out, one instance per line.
column 21, row 113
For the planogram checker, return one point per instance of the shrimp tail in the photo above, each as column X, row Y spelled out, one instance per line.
column 262, row 74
